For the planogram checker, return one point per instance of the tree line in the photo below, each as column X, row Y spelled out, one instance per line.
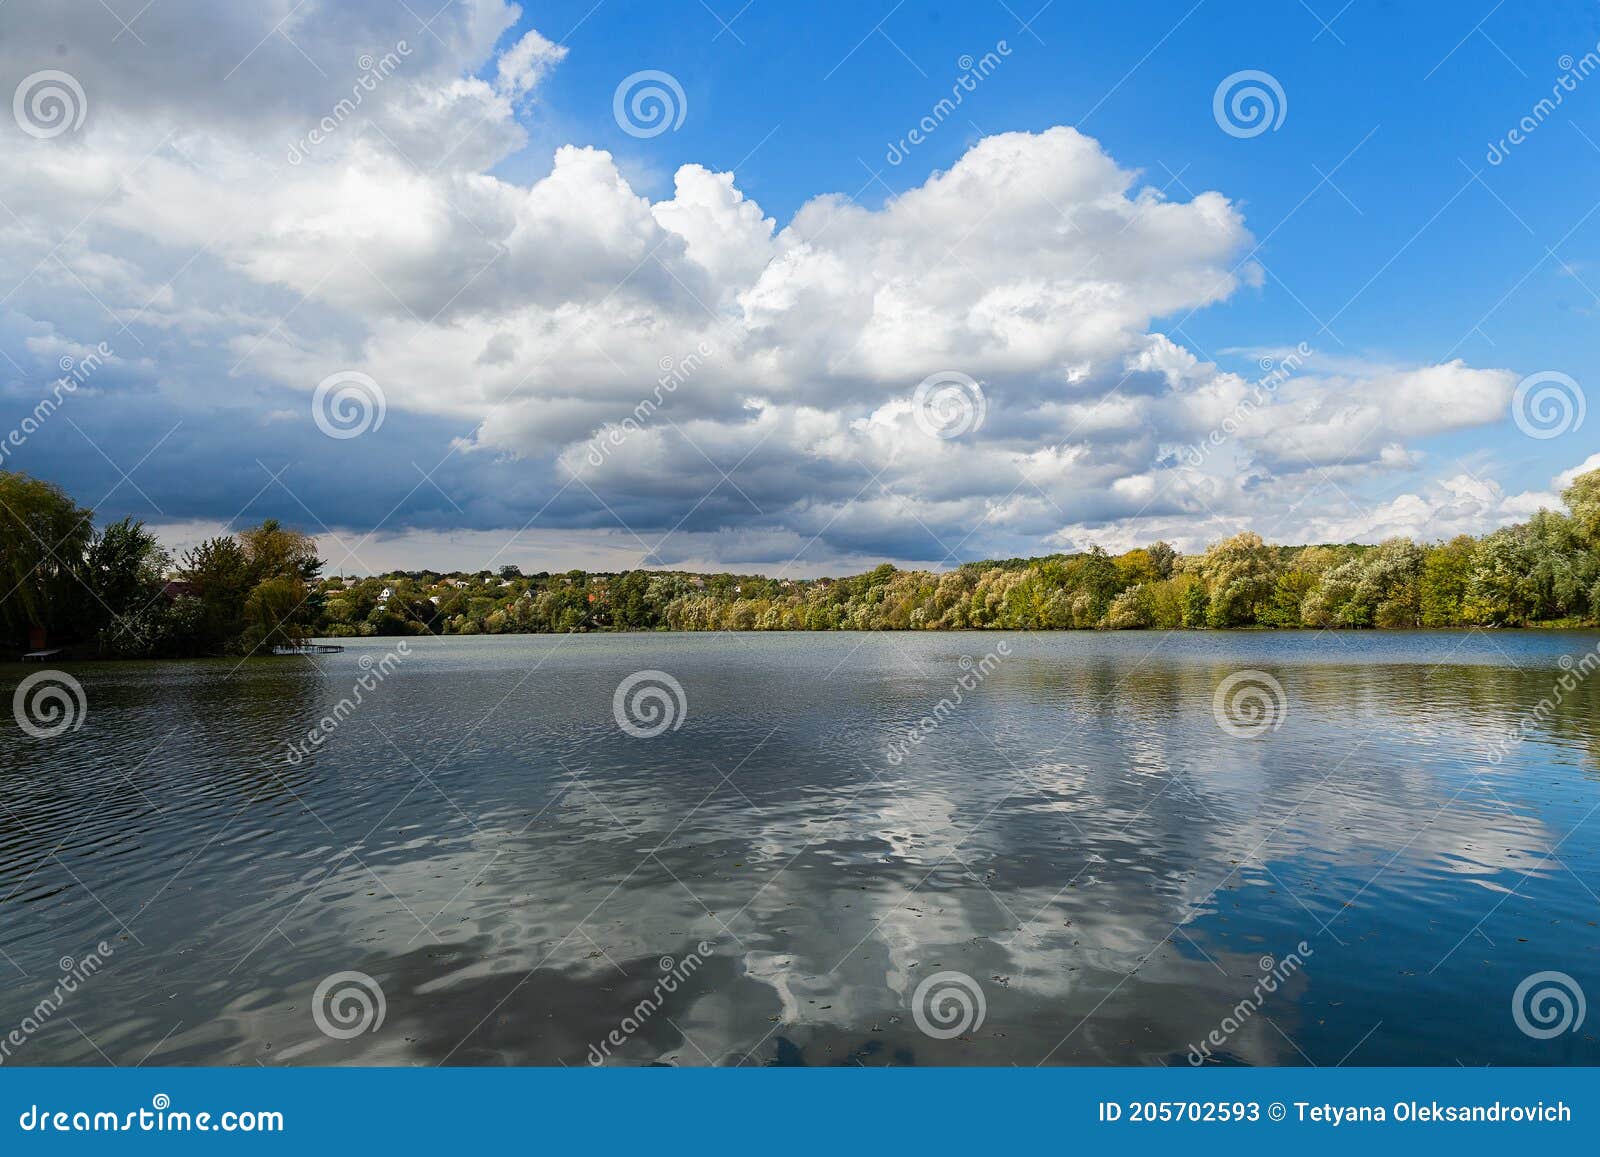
column 116, row 591
column 1545, row 571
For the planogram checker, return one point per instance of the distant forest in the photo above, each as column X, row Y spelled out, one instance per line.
column 115, row 591
column 1542, row 572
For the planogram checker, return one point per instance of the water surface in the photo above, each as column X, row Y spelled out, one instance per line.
column 1077, row 835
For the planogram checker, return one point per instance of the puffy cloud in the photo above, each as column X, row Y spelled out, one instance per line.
column 1567, row 477
column 525, row 63
column 681, row 376
column 1325, row 420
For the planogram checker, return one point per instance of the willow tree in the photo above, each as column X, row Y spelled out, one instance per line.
column 43, row 536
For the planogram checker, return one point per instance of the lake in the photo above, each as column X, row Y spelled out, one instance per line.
column 814, row 849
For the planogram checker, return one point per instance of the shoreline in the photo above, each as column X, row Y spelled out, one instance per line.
column 1254, row 629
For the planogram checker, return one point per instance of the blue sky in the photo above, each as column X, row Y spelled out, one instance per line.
column 1368, row 225
column 1399, row 103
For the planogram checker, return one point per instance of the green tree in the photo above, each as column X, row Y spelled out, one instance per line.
column 1288, row 596
column 274, row 616
column 1391, row 583
column 1163, row 558
column 1499, row 591
column 1096, row 577
column 1241, row 573
column 273, row 551
column 1583, row 500
column 1446, row 569
column 1562, row 568
column 1131, row 610
column 124, row 572
column 218, row 574
column 43, row 535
